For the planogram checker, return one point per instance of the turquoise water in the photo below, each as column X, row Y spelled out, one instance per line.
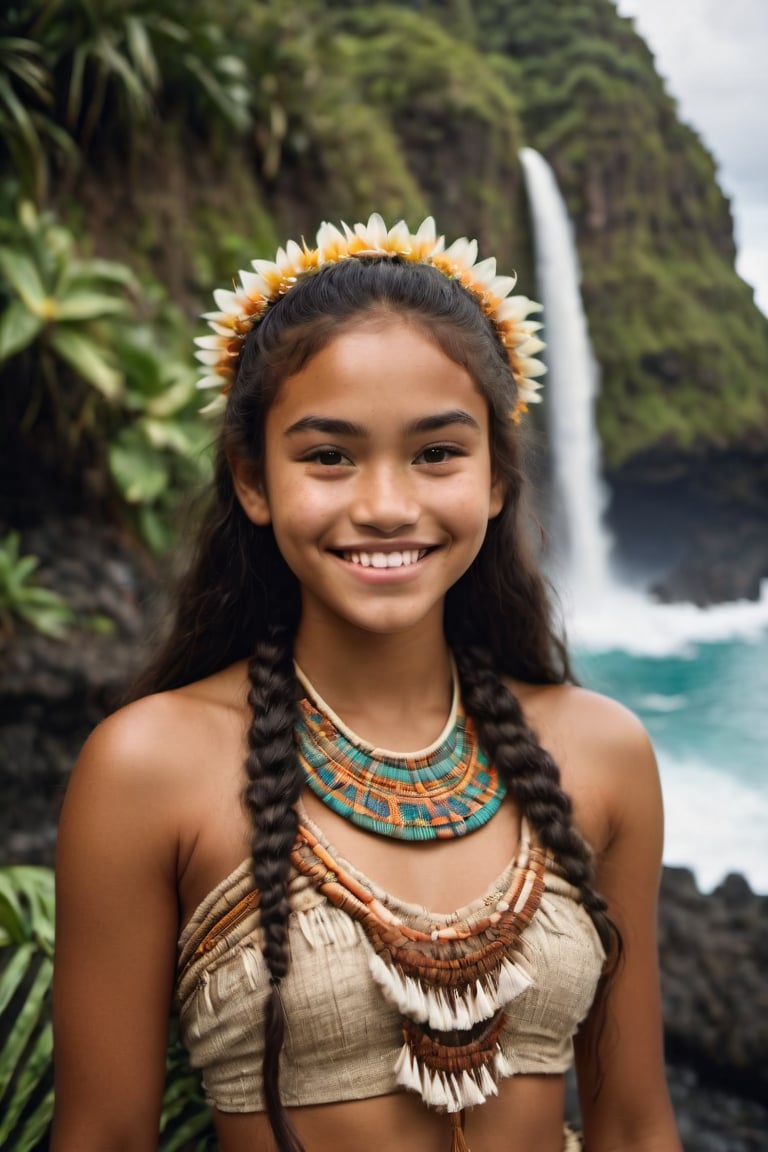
column 706, row 708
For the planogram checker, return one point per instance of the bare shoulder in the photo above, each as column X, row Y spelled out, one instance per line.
column 156, row 736
column 142, row 768
column 604, row 753
column 580, row 722
column 137, row 800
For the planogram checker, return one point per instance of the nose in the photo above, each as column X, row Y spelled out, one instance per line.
column 384, row 499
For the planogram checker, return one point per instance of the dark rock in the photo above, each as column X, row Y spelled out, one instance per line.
column 697, row 526
column 713, row 952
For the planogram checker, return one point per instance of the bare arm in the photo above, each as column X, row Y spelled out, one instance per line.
column 116, row 924
column 620, row 1062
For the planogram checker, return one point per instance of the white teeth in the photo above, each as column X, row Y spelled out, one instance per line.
column 385, row 559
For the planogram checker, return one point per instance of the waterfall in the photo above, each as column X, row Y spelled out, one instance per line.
column 582, row 544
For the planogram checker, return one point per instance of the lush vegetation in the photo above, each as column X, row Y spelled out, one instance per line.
column 26, row 1042
column 153, row 148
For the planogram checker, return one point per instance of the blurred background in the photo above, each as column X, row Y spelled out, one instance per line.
column 614, row 155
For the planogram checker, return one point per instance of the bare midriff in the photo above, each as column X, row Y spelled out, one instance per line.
column 527, row 1115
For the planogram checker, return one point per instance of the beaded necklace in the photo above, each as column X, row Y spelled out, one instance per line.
column 439, row 792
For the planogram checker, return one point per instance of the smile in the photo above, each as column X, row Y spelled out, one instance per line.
column 402, row 559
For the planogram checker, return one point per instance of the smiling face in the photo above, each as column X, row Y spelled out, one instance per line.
column 377, row 478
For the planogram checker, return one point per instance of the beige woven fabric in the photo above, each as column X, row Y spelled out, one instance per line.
column 342, row 1037
column 572, row 1140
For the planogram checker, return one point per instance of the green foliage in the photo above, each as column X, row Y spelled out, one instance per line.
column 185, row 1122
column 74, row 318
column 22, row 598
column 26, row 1041
column 55, row 302
column 26, row 907
column 161, row 449
column 117, row 63
column 230, row 129
column 27, row 130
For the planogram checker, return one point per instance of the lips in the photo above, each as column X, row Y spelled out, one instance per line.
column 376, row 559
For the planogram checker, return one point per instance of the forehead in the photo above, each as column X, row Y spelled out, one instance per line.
column 383, row 366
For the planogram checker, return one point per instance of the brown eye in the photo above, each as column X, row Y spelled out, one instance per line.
column 327, row 457
column 439, row 454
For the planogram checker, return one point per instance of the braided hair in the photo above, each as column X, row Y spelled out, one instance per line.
column 240, row 600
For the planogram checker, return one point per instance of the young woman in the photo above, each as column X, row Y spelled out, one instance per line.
column 359, row 826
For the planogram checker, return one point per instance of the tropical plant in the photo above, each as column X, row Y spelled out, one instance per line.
column 160, row 451
column 54, row 303
column 28, row 131
column 116, row 61
column 22, row 598
column 185, row 1121
column 139, row 418
column 26, row 1042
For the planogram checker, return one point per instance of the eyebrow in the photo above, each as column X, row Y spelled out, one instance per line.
column 333, row 427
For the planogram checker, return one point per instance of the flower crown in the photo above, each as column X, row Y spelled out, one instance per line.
column 241, row 310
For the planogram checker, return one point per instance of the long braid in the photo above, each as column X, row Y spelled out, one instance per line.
column 273, row 789
column 532, row 777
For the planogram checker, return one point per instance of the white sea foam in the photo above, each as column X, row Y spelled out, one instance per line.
column 624, row 619
column 715, row 824
column 656, row 702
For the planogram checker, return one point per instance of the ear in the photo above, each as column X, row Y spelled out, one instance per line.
column 251, row 493
column 498, row 493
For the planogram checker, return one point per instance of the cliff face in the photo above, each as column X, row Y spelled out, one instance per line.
column 418, row 107
column 683, row 350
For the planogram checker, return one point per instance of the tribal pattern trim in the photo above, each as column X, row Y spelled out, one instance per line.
column 449, row 792
column 451, row 984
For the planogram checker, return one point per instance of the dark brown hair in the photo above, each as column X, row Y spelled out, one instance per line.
column 239, row 598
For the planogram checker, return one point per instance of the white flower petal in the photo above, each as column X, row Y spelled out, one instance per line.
column 503, row 285
column 531, row 346
column 463, row 252
column 228, row 302
column 218, row 404
column 267, row 268
column 209, row 341
column 209, row 382
column 485, row 271
column 294, row 253
column 427, row 232
column 532, row 368
column 210, row 359
column 399, row 236
column 516, row 308
column 374, row 233
column 329, row 236
column 254, row 284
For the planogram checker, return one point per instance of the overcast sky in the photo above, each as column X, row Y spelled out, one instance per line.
column 714, row 57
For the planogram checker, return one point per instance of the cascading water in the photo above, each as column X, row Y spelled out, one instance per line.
column 696, row 676
column 582, row 545
column 602, row 613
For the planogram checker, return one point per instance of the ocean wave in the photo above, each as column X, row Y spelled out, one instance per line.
column 623, row 619
column 656, row 702
column 714, row 824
